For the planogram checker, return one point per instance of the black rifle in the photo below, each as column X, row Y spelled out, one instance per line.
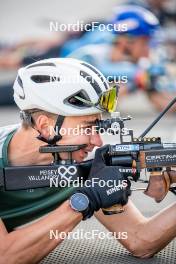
column 131, row 155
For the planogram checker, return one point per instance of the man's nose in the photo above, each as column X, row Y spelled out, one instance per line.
column 96, row 140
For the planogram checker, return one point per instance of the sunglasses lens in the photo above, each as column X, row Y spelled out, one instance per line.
column 108, row 100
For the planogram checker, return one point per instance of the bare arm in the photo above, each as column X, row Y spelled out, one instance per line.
column 32, row 243
column 146, row 236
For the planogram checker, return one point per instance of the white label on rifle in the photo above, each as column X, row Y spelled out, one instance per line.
column 133, row 147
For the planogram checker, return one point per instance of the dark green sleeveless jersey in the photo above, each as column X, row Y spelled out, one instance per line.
column 20, row 207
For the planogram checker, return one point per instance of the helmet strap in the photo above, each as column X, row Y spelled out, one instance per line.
column 57, row 137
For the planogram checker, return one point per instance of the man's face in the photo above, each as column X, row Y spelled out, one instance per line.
column 139, row 47
column 80, row 130
column 132, row 48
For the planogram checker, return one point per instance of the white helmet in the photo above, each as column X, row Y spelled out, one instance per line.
column 51, row 85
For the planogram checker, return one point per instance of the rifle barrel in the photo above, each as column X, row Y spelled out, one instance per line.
column 158, row 118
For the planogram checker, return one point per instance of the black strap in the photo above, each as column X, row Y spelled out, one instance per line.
column 59, row 122
column 1, row 177
column 56, row 138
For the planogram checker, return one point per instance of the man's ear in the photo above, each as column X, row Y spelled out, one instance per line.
column 43, row 124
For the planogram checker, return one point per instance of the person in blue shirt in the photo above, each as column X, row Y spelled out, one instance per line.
column 133, row 57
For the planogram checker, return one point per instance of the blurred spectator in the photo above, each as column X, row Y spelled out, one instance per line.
column 164, row 10
column 24, row 53
column 134, row 55
column 90, row 37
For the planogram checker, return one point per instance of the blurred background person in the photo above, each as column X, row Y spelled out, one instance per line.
column 141, row 58
column 137, row 57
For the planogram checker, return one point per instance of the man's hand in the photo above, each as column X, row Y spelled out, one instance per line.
column 106, row 185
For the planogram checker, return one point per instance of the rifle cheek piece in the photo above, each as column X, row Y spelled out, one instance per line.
column 158, row 185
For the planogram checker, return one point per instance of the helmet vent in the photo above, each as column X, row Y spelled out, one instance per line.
column 95, row 71
column 21, row 96
column 76, row 102
column 41, row 64
column 94, row 83
column 20, row 81
column 44, row 78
